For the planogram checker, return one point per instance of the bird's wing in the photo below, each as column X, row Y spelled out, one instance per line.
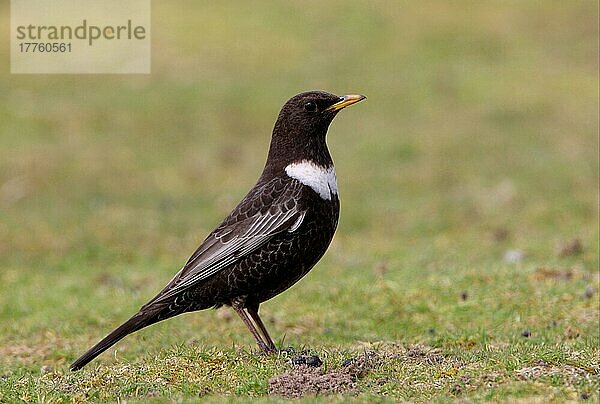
column 271, row 209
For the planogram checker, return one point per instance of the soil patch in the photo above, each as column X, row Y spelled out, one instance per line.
column 304, row 380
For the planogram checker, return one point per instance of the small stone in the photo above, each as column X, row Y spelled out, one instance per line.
column 589, row 292
column 526, row 333
column 313, row 361
column 348, row 362
column 514, row 256
column 46, row 369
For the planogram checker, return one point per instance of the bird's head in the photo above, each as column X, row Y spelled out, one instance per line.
column 301, row 127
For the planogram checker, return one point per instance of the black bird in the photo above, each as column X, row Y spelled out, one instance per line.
column 273, row 237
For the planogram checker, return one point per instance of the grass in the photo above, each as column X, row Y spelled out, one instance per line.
column 480, row 136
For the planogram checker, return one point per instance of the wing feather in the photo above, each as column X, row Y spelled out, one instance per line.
column 234, row 239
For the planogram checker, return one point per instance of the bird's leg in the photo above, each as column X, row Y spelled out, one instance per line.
column 253, row 311
column 239, row 309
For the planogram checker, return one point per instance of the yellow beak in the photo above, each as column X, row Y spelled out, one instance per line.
column 346, row 100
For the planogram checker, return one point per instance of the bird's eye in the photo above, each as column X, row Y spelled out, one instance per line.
column 310, row 106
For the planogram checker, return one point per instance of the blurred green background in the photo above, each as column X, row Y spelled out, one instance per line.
column 479, row 136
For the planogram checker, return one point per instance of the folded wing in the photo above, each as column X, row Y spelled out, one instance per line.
column 253, row 223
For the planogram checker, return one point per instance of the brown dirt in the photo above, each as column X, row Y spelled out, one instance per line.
column 303, row 380
column 543, row 273
column 500, row 234
column 425, row 354
column 568, row 248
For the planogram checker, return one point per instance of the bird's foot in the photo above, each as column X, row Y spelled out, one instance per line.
column 267, row 350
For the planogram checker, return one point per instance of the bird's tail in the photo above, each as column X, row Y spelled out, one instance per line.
column 135, row 323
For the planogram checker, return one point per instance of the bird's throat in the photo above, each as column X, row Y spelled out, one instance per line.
column 321, row 179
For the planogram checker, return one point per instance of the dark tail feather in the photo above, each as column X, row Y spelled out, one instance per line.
column 137, row 322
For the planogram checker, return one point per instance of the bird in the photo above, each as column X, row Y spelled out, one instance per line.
column 271, row 239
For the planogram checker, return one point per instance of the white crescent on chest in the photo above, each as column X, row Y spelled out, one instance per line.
column 321, row 179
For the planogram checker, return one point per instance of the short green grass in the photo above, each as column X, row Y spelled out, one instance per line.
column 480, row 136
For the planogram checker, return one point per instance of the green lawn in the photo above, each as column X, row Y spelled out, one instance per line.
column 479, row 137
